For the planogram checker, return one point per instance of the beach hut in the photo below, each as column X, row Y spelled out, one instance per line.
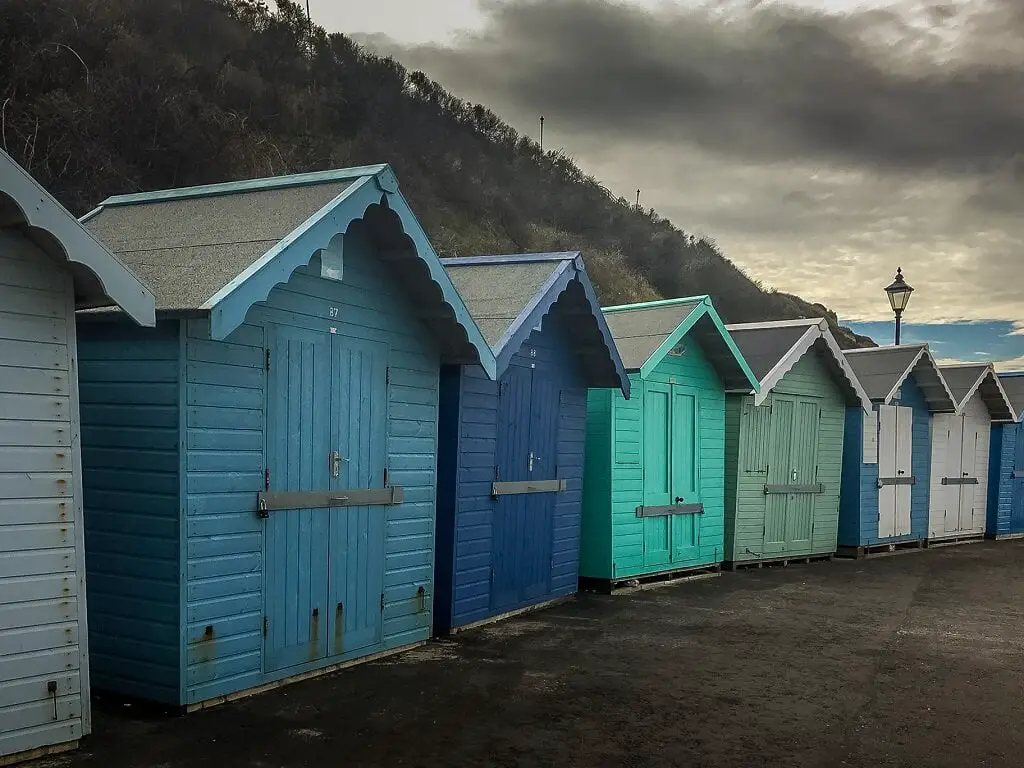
column 1005, row 519
column 784, row 444
column 510, row 462
column 260, row 469
column 960, row 452
column 49, row 265
column 654, row 482
column 883, row 502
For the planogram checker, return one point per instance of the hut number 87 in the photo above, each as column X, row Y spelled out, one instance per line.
column 333, row 312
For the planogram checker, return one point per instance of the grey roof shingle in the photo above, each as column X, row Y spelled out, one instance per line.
column 185, row 250
column 639, row 332
column 764, row 348
column 496, row 294
column 961, row 378
column 881, row 368
column 1014, row 388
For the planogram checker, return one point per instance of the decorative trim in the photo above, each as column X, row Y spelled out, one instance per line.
column 670, row 509
column 959, row 481
column 41, row 211
column 276, row 501
column 704, row 309
column 787, row 489
column 514, row 487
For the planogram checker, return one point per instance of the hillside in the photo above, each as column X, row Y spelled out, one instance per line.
column 101, row 97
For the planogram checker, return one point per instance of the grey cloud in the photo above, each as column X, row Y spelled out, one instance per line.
column 767, row 83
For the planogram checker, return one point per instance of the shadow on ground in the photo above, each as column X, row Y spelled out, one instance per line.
column 907, row 660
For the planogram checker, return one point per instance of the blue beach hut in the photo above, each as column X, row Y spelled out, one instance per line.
column 1005, row 515
column 260, row 468
column 510, row 463
column 884, row 497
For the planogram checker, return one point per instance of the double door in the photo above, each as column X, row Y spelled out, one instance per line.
column 671, row 511
column 526, row 460
column 326, row 435
column 958, row 500
column 895, row 477
column 792, row 474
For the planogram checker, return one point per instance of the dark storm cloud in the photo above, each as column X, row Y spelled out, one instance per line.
column 878, row 89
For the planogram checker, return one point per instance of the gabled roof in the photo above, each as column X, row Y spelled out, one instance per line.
column 882, row 371
column 508, row 296
column 1013, row 386
column 773, row 348
column 220, row 248
column 967, row 378
column 645, row 334
column 99, row 278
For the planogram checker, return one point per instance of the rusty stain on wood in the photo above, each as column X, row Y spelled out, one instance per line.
column 339, row 629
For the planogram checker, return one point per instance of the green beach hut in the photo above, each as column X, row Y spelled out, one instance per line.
column 784, row 443
column 654, row 477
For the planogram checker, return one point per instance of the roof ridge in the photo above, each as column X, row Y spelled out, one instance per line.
column 513, row 258
column 658, row 303
column 245, row 185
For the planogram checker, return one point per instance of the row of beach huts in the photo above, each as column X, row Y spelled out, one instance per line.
column 267, row 432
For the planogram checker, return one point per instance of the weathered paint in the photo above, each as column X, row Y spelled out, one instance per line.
column 799, row 427
column 515, row 550
column 617, row 543
column 41, row 598
column 44, row 648
column 228, row 415
column 859, row 497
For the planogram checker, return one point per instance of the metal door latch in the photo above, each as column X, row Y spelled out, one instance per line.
column 335, row 463
column 532, row 460
column 793, row 475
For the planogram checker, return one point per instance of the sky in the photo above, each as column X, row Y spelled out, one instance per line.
column 822, row 144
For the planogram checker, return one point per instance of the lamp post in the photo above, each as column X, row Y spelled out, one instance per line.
column 899, row 294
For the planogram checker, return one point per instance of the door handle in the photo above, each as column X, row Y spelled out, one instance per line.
column 899, row 471
column 680, row 499
column 532, row 460
column 335, row 463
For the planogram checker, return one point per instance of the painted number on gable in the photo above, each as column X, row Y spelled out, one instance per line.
column 334, row 311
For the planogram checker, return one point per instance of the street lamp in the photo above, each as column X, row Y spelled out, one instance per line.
column 899, row 294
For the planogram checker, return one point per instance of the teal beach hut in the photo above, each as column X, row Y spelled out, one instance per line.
column 654, row 478
column 784, row 445
column 260, row 468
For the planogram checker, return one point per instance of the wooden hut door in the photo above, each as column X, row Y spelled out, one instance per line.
column 1017, row 482
column 359, row 430
column 970, row 495
column 948, row 503
column 296, row 540
column 803, row 460
column 522, row 525
column 685, row 453
column 895, row 426
column 657, row 472
column 779, row 448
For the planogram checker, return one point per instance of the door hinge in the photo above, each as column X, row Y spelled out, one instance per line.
column 382, row 602
column 266, row 479
column 267, row 360
column 385, row 477
column 387, row 375
column 264, row 626
column 496, row 476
